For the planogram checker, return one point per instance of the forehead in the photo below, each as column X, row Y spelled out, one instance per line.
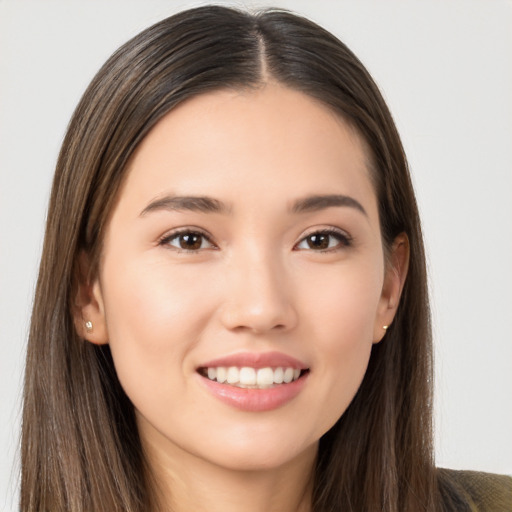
column 270, row 142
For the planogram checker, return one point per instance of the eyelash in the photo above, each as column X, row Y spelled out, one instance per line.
column 165, row 241
column 344, row 240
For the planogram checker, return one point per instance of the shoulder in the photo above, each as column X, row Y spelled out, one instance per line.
column 487, row 492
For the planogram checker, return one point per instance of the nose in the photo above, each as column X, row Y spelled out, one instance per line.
column 258, row 296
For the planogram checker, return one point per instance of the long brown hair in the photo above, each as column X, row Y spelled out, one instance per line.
column 80, row 446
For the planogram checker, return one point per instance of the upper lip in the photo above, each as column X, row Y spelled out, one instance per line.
column 256, row 360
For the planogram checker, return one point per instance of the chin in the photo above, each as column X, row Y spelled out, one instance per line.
column 255, row 458
column 258, row 449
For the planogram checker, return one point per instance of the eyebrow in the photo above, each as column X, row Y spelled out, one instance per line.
column 204, row 204
column 201, row 204
column 321, row 202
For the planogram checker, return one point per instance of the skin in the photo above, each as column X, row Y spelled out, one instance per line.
column 257, row 284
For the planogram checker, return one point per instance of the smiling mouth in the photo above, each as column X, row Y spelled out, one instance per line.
column 252, row 378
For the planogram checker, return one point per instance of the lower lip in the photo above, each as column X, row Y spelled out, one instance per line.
column 255, row 400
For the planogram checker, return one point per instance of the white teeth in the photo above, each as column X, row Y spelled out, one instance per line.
column 279, row 375
column 265, row 377
column 221, row 374
column 288, row 375
column 247, row 377
column 233, row 375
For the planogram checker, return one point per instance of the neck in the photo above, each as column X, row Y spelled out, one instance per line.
column 186, row 482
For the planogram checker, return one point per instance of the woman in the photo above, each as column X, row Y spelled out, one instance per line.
column 232, row 307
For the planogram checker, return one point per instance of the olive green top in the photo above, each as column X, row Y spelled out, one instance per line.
column 486, row 492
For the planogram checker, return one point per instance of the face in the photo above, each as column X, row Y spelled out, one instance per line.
column 242, row 281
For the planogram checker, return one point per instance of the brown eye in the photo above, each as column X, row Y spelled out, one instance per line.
column 324, row 241
column 318, row 241
column 188, row 241
column 191, row 241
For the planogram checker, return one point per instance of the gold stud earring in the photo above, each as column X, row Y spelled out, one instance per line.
column 88, row 326
column 385, row 327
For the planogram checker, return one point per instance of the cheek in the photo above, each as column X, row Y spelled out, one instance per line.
column 342, row 318
column 154, row 319
column 344, row 304
column 150, row 303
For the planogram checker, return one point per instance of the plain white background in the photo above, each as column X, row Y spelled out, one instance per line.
column 445, row 70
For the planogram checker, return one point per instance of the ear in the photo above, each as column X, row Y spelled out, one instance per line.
column 88, row 308
column 394, row 280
